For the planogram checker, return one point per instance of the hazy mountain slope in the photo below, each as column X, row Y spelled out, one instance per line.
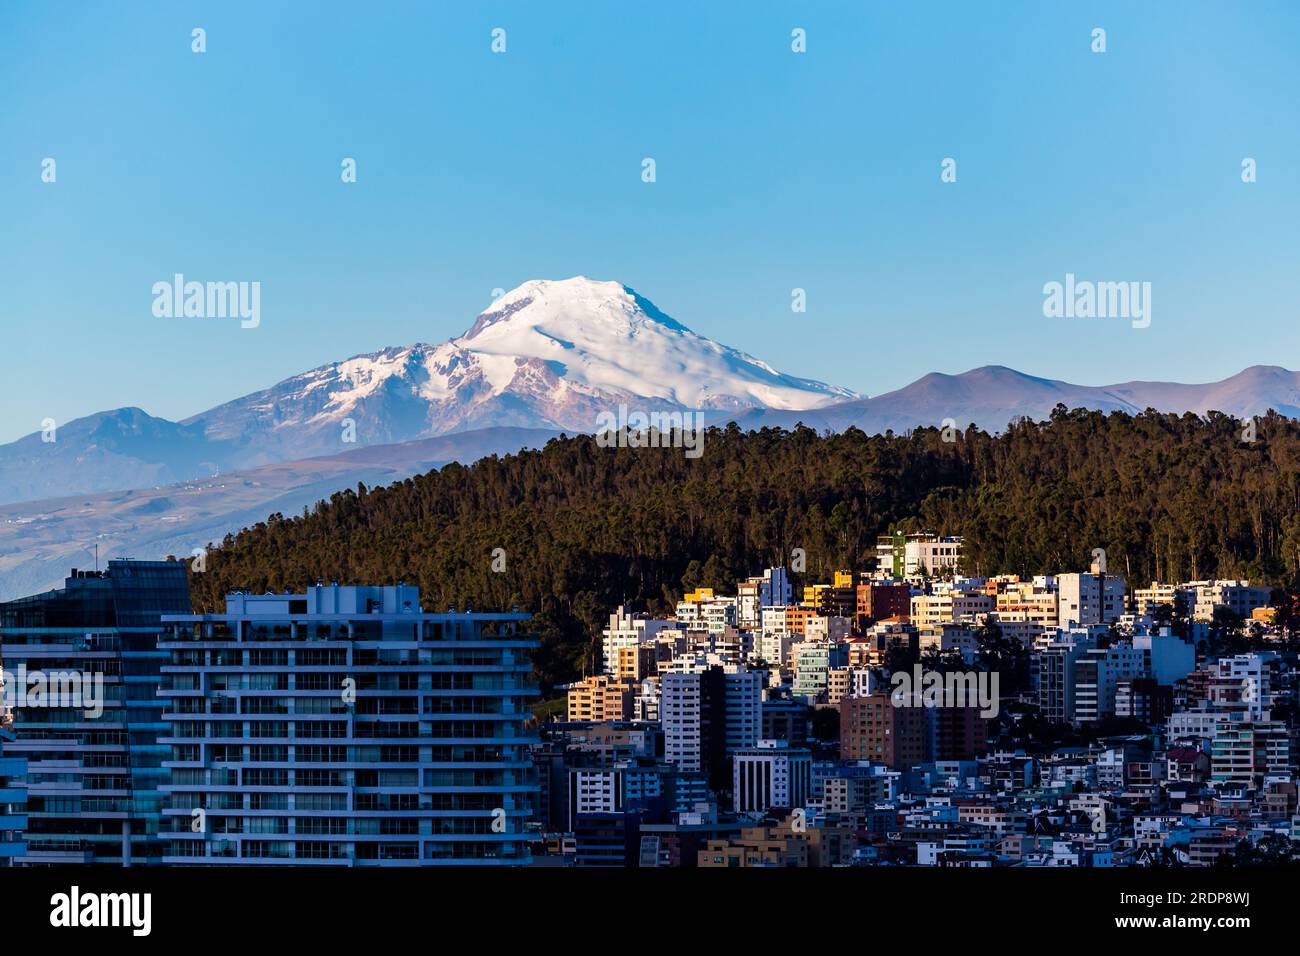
column 41, row 540
column 546, row 355
column 992, row 396
column 122, row 448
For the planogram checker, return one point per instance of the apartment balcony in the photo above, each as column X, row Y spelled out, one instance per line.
column 55, row 853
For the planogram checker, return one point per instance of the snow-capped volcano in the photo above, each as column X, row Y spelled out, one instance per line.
column 602, row 336
column 549, row 354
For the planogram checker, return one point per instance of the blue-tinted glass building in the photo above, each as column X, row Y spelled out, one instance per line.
column 345, row 726
column 13, row 801
column 92, row 783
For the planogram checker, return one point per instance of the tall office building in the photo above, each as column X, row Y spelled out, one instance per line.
column 346, row 726
column 93, row 777
column 692, row 710
column 708, row 715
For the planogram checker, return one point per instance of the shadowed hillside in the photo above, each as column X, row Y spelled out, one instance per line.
column 585, row 527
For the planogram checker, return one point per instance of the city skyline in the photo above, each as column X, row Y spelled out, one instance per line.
column 462, row 460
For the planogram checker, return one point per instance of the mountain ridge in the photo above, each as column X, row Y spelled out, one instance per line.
column 549, row 354
column 554, row 355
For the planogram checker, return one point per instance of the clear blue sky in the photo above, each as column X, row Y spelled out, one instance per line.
column 775, row 170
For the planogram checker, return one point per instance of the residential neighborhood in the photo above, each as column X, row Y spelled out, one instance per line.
column 1125, row 726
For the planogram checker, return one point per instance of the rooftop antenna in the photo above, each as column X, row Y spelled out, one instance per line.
column 96, row 557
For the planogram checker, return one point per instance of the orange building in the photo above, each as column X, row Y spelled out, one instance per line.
column 603, row 698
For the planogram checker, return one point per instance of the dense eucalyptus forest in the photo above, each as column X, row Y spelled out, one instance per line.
column 582, row 528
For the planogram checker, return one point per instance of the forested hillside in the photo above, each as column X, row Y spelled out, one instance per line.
column 584, row 528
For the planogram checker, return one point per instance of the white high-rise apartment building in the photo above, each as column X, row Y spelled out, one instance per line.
column 1094, row 598
column 681, row 713
column 1097, row 672
column 628, row 630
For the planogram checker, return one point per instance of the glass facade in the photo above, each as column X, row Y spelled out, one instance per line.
column 347, row 727
column 93, row 757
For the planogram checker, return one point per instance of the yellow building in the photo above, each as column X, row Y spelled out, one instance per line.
column 636, row 663
column 755, row 847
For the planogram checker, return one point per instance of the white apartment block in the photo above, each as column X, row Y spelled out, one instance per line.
column 1248, row 751
column 1057, row 653
column 1195, row 724
column 770, row 776
column 1094, row 598
column 917, row 555
column 607, row 789
column 703, row 610
column 1096, row 673
column 774, row 646
column 1237, row 596
column 1244, row 683
column 594, row 790
column 628, row 630
column 682, row 717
